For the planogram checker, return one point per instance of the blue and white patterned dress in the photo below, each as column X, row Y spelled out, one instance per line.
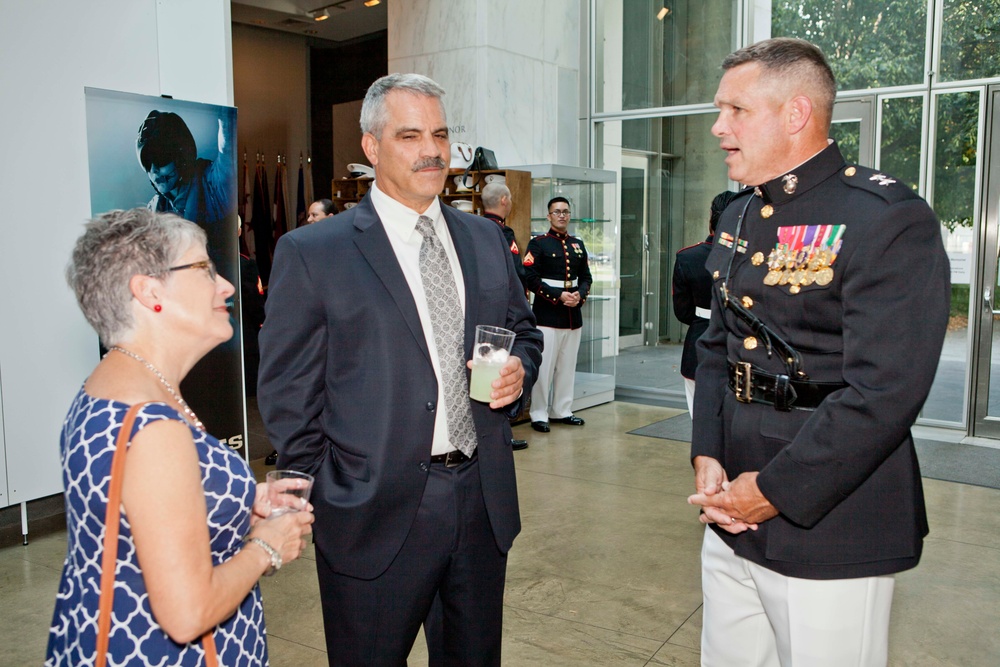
column 87, row 445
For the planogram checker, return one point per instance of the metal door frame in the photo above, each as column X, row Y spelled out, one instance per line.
column 640, row 161
column 863, row 111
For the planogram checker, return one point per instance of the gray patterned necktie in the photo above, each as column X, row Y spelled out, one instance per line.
column 448, row 325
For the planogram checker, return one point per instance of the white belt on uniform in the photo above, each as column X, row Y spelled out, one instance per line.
column 559, row 283
column 703, row 312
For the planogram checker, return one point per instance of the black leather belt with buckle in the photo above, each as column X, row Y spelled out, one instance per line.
column 752, row 385
column 453, row 458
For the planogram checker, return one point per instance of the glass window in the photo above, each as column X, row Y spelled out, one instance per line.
column 869, row 43
column 679, row 164
column 954, row 164
column 647, row 62
column 902, row 119
column 970, row 39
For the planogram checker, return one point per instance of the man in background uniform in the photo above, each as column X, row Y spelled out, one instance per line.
column 497, row 205
column 556, row 271
column 829, row 310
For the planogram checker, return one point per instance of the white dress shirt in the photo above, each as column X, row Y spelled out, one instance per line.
column 400, row 224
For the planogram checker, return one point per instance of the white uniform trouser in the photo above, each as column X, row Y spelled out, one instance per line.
column 556, row 375
column 754, row 616
column 689, row 393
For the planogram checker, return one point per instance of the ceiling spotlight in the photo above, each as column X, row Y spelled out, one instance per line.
column 662, row 14
column 321, row 14
column 372, row 3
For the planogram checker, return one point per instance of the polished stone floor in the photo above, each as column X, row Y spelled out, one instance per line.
column 606, row 570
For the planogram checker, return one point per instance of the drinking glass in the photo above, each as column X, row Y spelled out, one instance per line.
column 489, row 354
column 288, row 490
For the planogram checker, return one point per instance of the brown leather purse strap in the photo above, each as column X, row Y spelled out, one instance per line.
column 112, row 523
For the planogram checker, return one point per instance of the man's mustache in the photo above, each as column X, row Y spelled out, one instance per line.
column 430, row 162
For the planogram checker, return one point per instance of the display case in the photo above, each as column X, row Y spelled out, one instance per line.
column 591, row 193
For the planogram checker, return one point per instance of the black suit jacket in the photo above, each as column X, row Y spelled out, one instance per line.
column 346, row 386
column 843, row 476
column 692, row 288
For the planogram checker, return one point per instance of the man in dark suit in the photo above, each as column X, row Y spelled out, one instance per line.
column 364, row 384
column 829, row 310
column 692, row 293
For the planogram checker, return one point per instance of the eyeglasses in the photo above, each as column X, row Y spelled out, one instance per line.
column 204, row 264
column 560, row 213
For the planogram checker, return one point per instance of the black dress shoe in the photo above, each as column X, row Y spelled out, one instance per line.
column 516, row 444
column 541, row 427
column 572, row 420
column 271, row 458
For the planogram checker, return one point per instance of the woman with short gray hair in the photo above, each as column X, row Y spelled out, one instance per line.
column 185, row 580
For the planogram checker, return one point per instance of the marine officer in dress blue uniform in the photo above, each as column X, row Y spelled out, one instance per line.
column 692, row 293
column 557, row 272
column 829, row 309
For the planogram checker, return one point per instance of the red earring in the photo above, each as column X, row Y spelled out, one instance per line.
column 157, row 308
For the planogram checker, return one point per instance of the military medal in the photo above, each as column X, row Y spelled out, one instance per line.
column 803, row 255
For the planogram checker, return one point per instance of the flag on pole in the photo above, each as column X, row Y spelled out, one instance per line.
column 300, row 197
column 280, row 210
column 243, row 208
column 261, row 222
column 310, row 195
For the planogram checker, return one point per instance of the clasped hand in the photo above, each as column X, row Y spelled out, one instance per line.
column 736, row 506
column 571, row 299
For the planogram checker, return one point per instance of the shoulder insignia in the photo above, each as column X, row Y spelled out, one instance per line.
column 879, row 184
column 529, row 259
column 882, row 179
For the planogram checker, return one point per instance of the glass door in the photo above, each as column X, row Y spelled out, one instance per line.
column 635, row 293
column 985, row 296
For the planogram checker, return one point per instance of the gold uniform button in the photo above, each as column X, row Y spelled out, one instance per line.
column 747, row 302
column 715, row 275
column 850, row 171
column 750, row 343
column 767, row 211
column 757, row 259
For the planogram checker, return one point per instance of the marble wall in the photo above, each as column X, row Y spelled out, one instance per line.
column 511, row 69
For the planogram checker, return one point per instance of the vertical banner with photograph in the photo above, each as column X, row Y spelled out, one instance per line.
column 178, row 157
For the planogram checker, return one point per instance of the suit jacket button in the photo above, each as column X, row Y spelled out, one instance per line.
column 430, row 406
column 424, row 466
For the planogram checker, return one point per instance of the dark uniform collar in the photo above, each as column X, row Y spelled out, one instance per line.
column 558, row 235
column 802, row 178
column 495, row 218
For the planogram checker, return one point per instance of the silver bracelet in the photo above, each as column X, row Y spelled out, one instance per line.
column 271, row 551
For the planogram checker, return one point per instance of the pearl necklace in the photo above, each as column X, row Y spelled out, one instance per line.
column 192, row 417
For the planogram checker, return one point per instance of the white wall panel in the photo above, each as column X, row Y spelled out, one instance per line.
column 50, row 52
